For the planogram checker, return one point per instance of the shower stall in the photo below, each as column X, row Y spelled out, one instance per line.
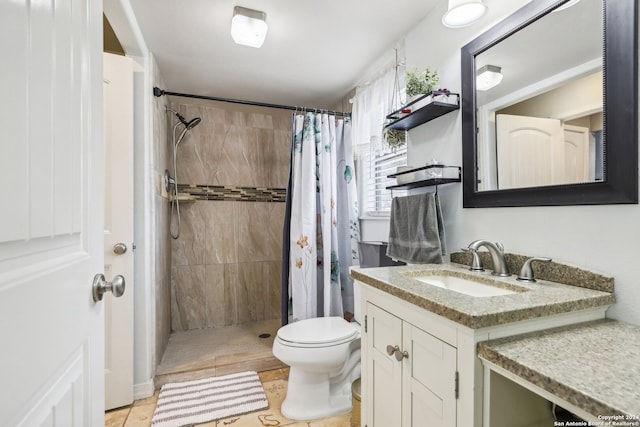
column 227, row 175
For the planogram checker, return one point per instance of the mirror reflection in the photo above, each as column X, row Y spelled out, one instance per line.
column 540, row 106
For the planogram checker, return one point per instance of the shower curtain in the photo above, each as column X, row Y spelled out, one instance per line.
column 321, row 224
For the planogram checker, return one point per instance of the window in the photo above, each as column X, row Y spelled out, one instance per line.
column 371, row 104
column 374, row 168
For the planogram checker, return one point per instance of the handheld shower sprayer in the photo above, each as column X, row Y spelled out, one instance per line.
column 175, row 203
column 193, row 123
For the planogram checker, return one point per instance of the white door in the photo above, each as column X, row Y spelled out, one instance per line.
column 530, row 151
column 576, row 154
column 118, row 227
column 51, row 242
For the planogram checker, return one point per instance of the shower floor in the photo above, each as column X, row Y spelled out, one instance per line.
column 203, row 353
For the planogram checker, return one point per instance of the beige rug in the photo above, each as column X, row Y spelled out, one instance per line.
column 200, row 401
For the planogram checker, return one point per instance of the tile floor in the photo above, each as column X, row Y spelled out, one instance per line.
column 275, row 384
column 214, row 352
column 203, row 353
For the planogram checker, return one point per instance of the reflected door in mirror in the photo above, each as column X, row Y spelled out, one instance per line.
column 534, row 152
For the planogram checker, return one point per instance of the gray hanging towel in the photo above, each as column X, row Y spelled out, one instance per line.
column 416, row 230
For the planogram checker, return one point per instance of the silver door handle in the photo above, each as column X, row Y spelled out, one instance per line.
column 119, row 248
column 101, row 286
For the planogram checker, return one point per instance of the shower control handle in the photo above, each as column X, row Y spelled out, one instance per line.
column 101, row 286
column 119, row 248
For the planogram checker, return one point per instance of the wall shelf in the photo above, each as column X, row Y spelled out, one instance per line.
column 425, row 182
column 428, row 112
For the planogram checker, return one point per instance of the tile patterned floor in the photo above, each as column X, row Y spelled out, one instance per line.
column 275, row 385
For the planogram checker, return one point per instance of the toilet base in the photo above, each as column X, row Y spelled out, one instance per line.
column 314, row 396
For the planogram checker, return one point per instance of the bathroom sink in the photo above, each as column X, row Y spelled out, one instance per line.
column 464, row 286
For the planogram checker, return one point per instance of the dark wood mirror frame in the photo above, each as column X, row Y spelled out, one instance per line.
column 620, row 114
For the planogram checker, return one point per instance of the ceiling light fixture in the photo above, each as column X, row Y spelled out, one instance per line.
column 488, row 77
column 463, row 12
column 248, row 26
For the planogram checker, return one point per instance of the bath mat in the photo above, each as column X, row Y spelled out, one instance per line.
column 200, row 401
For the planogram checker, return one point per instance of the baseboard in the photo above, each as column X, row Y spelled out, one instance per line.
column 143, row 390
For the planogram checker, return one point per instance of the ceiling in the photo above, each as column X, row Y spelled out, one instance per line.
column 576, row 36
column 314, row 53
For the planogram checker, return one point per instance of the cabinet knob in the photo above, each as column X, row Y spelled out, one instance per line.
column 401, row 355
column 392, row 349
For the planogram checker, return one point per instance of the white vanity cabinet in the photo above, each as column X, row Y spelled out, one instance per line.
column 409, row 364
column 434, row 377
column 412, row 374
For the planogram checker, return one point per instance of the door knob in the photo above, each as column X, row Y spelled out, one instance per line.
column 119, row 248
column 101, row 286
column 392, row 349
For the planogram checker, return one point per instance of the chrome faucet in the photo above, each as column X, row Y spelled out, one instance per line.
column 526, row 272
column 497, row 256
column 476, row 262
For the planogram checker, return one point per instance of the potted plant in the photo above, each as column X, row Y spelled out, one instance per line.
column 420, row 82
column 395, row 138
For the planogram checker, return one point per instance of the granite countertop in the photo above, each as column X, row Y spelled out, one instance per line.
column 594, row 365
column 531, row 300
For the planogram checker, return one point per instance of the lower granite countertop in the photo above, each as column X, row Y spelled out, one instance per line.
column 594, row 366
column 532, row 300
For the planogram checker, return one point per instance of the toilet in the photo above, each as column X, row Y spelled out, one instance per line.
column 324, row 358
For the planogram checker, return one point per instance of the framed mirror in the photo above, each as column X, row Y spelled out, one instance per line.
column 559, row 126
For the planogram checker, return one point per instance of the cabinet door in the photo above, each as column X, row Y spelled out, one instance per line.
column 383, row 399
column 429, row 375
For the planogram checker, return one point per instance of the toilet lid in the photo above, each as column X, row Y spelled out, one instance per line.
column 319, row 330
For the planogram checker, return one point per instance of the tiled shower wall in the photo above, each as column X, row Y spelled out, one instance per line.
column 226, row 264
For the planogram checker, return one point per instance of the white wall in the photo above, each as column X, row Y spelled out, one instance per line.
column 601, row 238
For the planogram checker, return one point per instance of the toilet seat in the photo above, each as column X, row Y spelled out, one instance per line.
column 318, row 332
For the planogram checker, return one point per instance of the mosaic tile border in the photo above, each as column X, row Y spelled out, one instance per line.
column 233, row 193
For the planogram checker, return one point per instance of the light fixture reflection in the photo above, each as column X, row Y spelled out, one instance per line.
column 463, row 12
column 248, row 26
column 487, row 77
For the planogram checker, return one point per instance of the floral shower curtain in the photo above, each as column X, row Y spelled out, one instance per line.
column 323, row 230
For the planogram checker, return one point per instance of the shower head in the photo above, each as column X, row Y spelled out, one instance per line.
column 193, row 123
column 187, row 127
column 187, row 124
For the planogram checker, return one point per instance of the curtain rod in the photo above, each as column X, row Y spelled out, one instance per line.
column 159, row 92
